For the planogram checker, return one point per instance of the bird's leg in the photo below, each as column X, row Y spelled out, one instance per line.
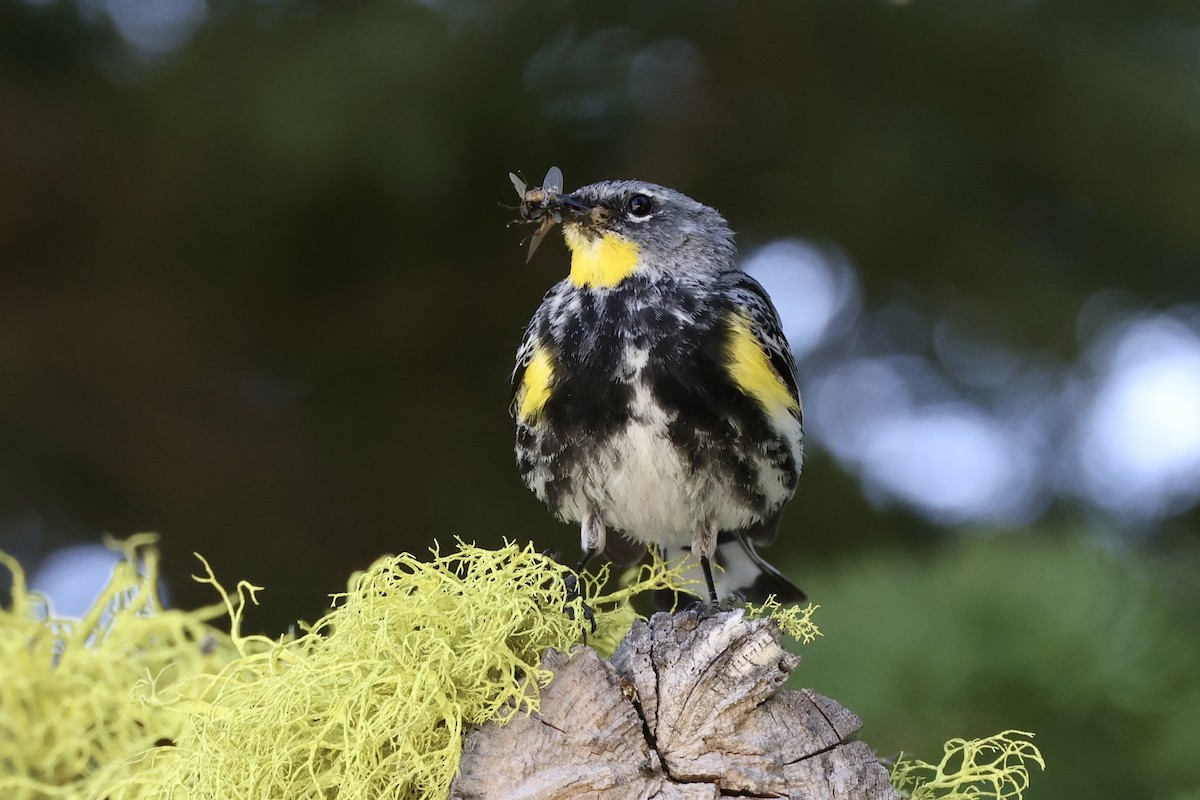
column 704, row 544
column 706, row 565
column 592, row 535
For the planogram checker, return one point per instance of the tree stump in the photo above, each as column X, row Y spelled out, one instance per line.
column 688, row 707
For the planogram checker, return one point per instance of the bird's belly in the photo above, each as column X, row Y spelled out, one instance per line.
column 648, row 491
column 645, row 487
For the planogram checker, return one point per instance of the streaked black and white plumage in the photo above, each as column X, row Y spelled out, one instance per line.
column 654, row 391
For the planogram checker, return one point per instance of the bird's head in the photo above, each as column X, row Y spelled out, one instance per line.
column 617, row 229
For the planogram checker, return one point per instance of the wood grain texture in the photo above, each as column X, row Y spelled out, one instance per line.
column 690, row 706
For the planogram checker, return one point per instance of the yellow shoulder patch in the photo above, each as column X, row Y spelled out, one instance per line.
column 751, row 369
column 535, row 385
column 603, row 261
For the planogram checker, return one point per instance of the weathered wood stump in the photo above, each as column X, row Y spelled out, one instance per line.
column 689, row 706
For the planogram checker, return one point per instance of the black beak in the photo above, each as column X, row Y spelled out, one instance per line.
column 572, row 206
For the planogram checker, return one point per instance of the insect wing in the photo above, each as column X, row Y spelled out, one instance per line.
column 553, row 182
column 538, row 235
column 518, row 183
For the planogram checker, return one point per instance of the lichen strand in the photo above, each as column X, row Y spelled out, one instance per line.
column 996, row 767
column 795, row 621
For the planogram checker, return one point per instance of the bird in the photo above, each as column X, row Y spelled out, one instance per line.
column 654, row 391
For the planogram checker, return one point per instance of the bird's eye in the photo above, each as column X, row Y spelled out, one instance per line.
column 640, row 205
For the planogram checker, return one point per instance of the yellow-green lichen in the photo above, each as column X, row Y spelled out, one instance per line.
column 68, row 726
column 792, row 620
column 370, row 701
column 994, row 767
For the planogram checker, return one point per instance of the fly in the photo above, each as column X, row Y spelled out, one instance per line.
column 540, row 205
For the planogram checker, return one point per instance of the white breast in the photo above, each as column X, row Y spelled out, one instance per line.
column 646, row 489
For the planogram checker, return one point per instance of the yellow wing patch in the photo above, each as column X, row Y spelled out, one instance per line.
column 535, row 384
column 751, row 370
column 601, row 261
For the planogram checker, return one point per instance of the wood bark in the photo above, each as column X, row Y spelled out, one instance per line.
column 690, row 706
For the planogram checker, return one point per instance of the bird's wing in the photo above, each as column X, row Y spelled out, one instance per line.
column 525, row 353
column 749, row 297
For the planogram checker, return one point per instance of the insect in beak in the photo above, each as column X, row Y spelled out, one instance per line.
column 543, row 205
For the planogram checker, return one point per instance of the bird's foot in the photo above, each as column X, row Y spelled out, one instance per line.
column 572, row 580
column 703, row 609
column 573, row 593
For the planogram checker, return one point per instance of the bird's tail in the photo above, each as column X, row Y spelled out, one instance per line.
column 747, row 575
column 741, row 574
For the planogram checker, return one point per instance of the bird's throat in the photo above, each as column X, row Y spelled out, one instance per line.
column 599, row 261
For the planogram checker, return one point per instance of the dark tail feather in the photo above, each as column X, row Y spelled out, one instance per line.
column 749, row 576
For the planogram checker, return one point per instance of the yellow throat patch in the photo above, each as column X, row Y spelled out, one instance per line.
column 751, row 369
column 535, row 385
column 603, row 261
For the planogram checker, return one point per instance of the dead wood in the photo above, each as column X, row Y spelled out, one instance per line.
column 690, row 706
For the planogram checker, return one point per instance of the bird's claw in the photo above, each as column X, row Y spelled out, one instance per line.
column 573, row 593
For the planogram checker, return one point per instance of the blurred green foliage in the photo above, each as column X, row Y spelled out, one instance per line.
column 1046, row 634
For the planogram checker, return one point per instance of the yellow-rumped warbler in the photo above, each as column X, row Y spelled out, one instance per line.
column 654, row 391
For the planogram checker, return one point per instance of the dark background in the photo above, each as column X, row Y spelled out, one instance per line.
column 257, row 294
